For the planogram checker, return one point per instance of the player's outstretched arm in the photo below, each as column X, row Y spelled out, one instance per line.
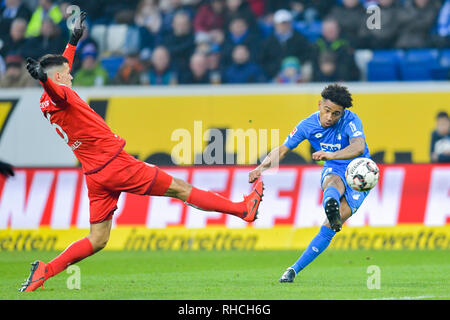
column 77, row 33
column 353, row 150
column 273, row 159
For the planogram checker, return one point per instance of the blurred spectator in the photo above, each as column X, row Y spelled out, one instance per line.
column 326, row 70
column 148, row 19
column 240, row 8
column 11, row 10
column 442, row 40
column 15, row 75
column 198, row 70
column 283, row 43
column 210, row 16
column 50, row 40
column 415, row 23
column 258, row 7
column 131, row 71
column 330, row 41
column 46, row 9
column 203, row 42
column 181, row 41
column 169, row 9
column 242, row 69
column 303, row 11
column 239, row 33
column 290, row 71
column 117, row 11
column 160, row 72
column 14, row 41
column 385, row 37
column 351, row 15
column 214, row 67
column 440, row 139
column 91, row 72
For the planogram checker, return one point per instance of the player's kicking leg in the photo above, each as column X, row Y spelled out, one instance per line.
column 337, row 212
column 212, row 201
column 94, row 242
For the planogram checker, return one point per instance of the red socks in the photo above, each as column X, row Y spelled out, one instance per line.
column 211, row 201
column 75, row 252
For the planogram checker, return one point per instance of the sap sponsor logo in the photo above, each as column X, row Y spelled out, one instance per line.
column 330, row 147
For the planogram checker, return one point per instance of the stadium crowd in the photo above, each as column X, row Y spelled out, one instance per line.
column 166, row 42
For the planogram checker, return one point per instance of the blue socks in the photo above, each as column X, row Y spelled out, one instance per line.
column 331, row 192
column 317, row 245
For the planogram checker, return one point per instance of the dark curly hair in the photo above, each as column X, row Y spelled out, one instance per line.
column 338, row 94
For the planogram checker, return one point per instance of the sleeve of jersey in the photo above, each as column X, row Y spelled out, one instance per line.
column 55, row 91
column 354, row 129
column 295, row 137
column 69, row 54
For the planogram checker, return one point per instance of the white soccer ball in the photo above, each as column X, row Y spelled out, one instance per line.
column 362, row 174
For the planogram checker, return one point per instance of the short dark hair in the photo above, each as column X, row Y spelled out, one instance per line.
column 442, row 114
column 52, row 60
column 338, row 94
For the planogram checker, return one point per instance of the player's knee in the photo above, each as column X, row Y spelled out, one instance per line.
column 179, row 189
column 98, row 240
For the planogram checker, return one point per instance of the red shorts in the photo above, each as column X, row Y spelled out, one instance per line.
column 123, row 174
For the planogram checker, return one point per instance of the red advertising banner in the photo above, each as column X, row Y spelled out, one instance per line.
column 57, row 198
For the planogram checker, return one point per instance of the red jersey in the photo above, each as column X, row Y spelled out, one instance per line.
column 85, row 132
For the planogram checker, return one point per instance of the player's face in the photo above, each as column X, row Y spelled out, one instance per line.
column 63, row 76
column 329, row 113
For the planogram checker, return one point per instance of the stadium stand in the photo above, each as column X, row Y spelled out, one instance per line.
column 140, row 26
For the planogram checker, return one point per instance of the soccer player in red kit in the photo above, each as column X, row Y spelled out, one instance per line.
column 109, row 170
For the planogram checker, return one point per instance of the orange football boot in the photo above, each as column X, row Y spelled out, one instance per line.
column 252, row 201
column 36, row 278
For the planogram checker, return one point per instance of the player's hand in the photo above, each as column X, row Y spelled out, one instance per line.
column 322, row 155
column 254, row 175
column 78, row 29
column 6, row 169
column 35, row 70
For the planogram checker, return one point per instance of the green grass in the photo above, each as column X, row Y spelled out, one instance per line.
column 237, row 275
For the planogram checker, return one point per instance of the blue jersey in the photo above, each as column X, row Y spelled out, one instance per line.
column 330, row 139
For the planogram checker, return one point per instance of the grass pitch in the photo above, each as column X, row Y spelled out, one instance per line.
column 226, row 275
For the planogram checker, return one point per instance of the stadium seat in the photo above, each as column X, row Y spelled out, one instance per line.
column 382, row 70
column 112, row 65
column 445, row 58
column 98, row 33
column 115, row 38
column 388, row 55
column 384, row 65
column 417, row 65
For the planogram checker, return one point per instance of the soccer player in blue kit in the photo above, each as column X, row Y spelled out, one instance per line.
column 337, row 135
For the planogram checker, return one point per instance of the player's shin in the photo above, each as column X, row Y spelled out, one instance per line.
column 331, row 192
column 316, row 247
column 75, row 252
column 211, row 201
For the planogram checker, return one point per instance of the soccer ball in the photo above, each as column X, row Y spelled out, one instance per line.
column 362, row 174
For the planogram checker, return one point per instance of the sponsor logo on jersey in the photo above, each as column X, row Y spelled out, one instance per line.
column 327, row 147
